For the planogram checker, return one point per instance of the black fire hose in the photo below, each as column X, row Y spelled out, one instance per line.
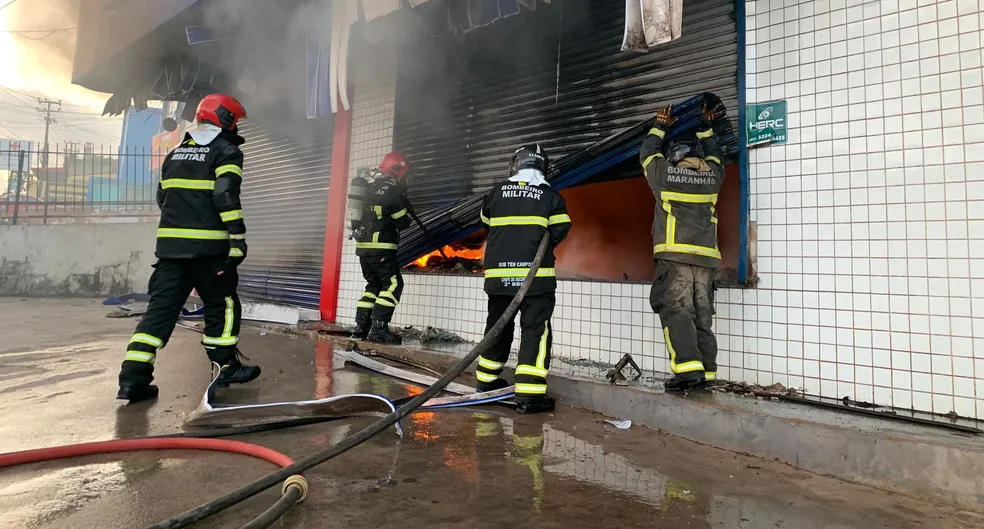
column 251, row 489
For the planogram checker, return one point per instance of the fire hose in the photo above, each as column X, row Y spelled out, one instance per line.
column 251, row 489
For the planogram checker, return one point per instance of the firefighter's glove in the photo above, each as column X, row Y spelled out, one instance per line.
column 237, row 254
column 712, row 112
column 665, row 117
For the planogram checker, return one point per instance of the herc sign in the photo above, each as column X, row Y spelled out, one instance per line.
column 765, row 123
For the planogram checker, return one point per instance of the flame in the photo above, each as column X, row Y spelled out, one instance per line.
column 452, row 251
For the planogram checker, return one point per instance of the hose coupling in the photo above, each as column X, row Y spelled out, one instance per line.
column 298, row 481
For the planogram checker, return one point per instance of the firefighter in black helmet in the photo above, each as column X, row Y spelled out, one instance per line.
column 517, row 212
column 385, row 213
column 685, row 174
column 201, row 241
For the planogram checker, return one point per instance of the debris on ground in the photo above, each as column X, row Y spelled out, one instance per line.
column 129, row 309
column 430, row 335
column 621, row 425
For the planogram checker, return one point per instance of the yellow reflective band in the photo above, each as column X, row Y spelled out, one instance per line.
column 689, row 198
column 485, row 219
column 706, row 134
column 686, row 367
column 670, row 223
column 140, row 356
column 368, row 295
column 147, row 339
column 402, row 213
column 230, row 216
column 379, row 211
column 364, row 305
column 531, row 389
column 183, row 183
column 385, row 303
column 491, row 365
column 234, row 169
column 237, row 236
column 541, row 357
column 230, row 317
column 714, row 159
column 388, row 294
column 209, row 340
column 192, row 142
column 659, row 133
column 710, row 375
column 649, row 160
column 179, row 233
column 485, row 377
column 518, row 272
column 375, row 246
column 531, row 371
column 518, row 221
column 235, row 252
column 558, row 219
column 688, row 249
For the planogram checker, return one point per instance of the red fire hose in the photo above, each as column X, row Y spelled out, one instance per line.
column 294, row 490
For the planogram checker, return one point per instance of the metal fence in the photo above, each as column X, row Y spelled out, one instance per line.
column 78, row 183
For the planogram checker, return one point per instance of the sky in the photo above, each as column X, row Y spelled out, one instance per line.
column 37, row 44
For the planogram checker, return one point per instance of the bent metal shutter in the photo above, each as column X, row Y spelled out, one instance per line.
column 554, row 76
column 285, row 203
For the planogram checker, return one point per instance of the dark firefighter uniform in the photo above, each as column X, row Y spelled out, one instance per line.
column 517, row 213
column 386, row 214
column 200, row 242
column 685, row 177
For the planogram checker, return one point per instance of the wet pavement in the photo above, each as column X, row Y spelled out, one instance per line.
column 473, row 468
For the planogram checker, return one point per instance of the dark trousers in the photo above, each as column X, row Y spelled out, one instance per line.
column 683, row 296
column 384, row 286
column 535, row 343
column 169, row 287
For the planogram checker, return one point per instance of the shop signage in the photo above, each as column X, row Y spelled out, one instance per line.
column 765, row 123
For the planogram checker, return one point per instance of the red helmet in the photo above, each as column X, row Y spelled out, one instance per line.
column 395, row 165
column 220, row 110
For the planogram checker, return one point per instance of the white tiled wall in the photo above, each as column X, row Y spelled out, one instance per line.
column 870, row 219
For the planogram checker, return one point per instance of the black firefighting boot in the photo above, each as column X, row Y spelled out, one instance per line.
column 380, row 333
column 535, row 404
column 137, row 392
column 234, row 371
column 363, row 323
column 685, row 381
column 483, row 387
column 135, row 382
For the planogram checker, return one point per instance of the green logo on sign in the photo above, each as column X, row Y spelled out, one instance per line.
column 766, row 122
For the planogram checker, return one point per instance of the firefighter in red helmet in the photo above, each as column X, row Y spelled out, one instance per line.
column 201, row 240
column 384, row 214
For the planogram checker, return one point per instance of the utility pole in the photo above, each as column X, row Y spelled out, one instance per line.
column 45, row 109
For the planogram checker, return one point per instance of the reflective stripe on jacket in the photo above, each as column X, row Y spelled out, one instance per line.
column 199, row 199
column 685, row 220
column 387, row 215
column 517, row 215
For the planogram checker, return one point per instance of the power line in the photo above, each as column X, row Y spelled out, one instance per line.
column 8, row 4
column 18, row 31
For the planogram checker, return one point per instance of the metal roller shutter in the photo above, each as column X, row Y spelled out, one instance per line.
column 555, row 76
column 285, row 201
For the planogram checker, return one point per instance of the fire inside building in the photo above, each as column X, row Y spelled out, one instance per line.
column 332, row 87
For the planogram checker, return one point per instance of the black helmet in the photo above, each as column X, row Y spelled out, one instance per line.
column 685, row 145
column 530, row 156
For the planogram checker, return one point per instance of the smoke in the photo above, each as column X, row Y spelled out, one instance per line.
column 43, row 58
column 611, row 233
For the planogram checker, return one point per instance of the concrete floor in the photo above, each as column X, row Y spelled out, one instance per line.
column 475, row 468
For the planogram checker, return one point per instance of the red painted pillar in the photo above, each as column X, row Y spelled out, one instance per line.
column 335, row 230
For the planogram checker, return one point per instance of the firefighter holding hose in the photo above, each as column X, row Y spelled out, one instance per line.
column 378, row 212
column 517, row 212
column 685, row 175
column 201, row 240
